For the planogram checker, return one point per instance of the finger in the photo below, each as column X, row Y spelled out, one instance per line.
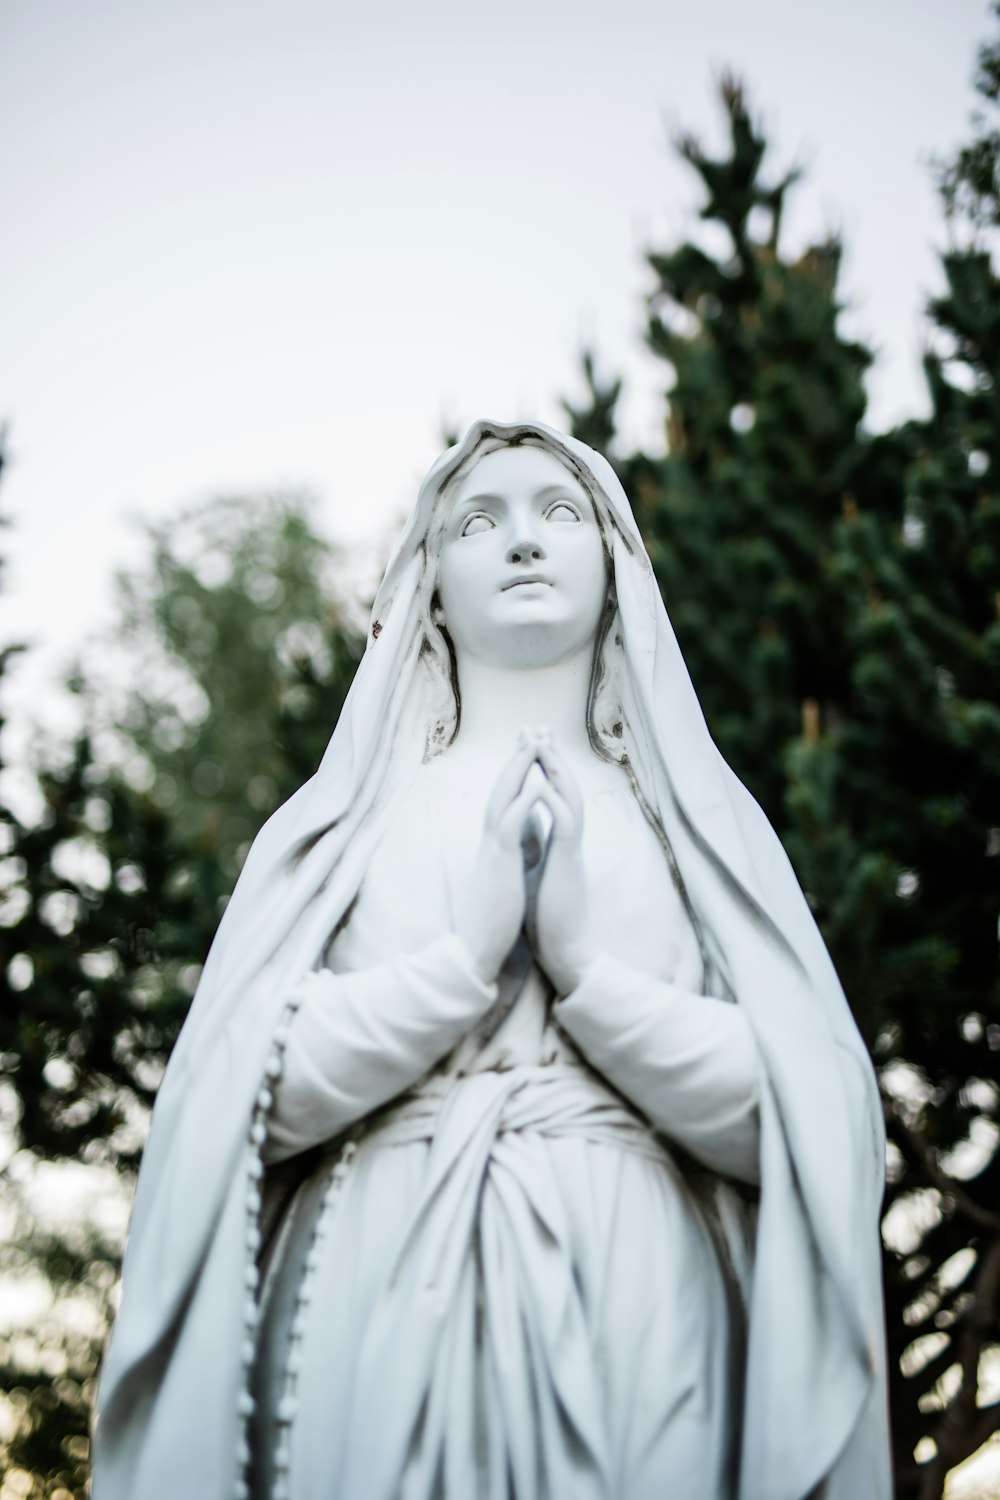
column 567, row 821
column 510, row 781
column 513, row 819
column 553, row 763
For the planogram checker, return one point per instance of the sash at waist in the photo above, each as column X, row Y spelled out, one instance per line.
column 560, row 1098
column 489, row 1212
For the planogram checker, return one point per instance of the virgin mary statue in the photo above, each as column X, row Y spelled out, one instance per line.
column 519, row 1144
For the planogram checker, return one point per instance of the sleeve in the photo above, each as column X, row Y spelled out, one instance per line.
column 687, row 1061
column 359, row 1039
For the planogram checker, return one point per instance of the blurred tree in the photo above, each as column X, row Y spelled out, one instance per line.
column 836, row 598
column 594, row 423
column 237, row 663
column 970, row 181
column 764, row 450
column 893, row 816
column 764, row 453
column 912, row 777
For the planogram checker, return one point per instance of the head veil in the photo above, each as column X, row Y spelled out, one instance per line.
column 814, row 1412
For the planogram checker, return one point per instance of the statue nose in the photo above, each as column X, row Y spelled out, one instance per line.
column 525, row 549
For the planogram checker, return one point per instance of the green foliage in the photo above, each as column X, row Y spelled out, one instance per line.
column 837, row 598
column 238, row 666
column 594, row 424
column 922, row 587
column 69, row 1276
column 213, row 704
column 763, row 455
column 970, row 182
column 918, row 786
column 248, row 661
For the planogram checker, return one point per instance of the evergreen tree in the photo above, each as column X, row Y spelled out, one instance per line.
column 763, row 449
column 970, row 182
column 892, row 827
column 765, row 455
column 594, row 423
column 836, row 597
column 913, row 778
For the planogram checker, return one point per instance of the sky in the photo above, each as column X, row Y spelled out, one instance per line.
column 254, row 245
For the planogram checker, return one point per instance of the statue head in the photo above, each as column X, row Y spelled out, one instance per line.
column 522, row 573
column 518, row 550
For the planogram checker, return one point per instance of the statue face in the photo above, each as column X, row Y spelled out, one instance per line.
column 522, row 578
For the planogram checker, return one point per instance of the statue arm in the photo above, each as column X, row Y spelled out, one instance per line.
column 358, row 1040
column 689, row 1062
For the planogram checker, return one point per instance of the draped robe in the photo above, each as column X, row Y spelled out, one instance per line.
column 540, row 1301
column 173, row 1403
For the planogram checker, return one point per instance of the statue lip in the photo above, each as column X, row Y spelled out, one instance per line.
column 526, row 578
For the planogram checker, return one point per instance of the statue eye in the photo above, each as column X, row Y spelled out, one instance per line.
column 477, row 522
column 562, row 511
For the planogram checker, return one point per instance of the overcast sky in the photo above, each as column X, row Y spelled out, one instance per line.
column 252, row 244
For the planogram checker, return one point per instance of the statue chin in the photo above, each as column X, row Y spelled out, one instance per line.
column 526, row 646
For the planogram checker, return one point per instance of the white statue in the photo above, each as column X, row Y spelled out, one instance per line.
column 519, row 1144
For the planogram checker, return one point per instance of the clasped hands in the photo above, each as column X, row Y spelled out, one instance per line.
column 493, row 909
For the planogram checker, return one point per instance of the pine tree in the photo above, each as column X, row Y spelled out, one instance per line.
column 892, row 828
column 913, row 780
column 763, row 451
column 594, row 423
column 837, row 597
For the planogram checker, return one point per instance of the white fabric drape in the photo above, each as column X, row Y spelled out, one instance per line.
column 813, row 1382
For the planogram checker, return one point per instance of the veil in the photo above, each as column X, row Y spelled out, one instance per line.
column 814, row 1415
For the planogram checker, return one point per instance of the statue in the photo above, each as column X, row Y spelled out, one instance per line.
column 519, row 1142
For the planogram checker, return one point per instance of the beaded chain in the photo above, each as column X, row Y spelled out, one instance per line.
column 263, row 1108
column 288, row 1404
